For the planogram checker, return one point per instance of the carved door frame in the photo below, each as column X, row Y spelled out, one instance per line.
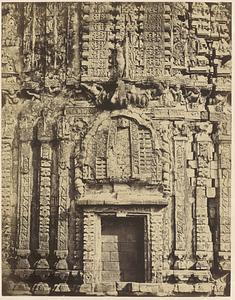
column 124, row 212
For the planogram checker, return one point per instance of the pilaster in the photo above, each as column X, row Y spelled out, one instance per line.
column 45, row 136
column 224, row 202
column 204, row 150
column 61, row 251
column 180, row 209
column 25, row 198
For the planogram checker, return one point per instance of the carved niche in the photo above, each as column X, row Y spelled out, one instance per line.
column 121, row 149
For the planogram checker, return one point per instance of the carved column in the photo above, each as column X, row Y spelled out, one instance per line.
column 89, row 219
column 25, row 197
column 78, row 240
column 204, row 151
column 45, row 136
column 63, row 203
column 180, row 213
column 166, row 157
column 224, row 202
column 156, row 231
column 10, row 87
column 8, row 126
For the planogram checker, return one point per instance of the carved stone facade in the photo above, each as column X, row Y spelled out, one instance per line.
column 116, row 115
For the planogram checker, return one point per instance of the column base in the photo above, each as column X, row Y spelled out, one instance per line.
column 42, row 268
column 146, row 289
column 224, row 261
column 42, row 263
column 203, row 260
column 6, row 269
column 16, row 289
column 61, row 288
column 61, row 264
column 41, row 289
column 180, row 260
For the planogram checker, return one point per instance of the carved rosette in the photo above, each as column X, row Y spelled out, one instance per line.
column 204, row 147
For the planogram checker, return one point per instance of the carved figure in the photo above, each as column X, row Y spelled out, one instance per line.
column 53, row 83
column 119, row 96
column 130, row 94
column 98, row 93
column 120, row 60
column 178, row 95
column 138, row 97
column 194, row 98
column 167, row 97
column 159, row 169
column 10, row 96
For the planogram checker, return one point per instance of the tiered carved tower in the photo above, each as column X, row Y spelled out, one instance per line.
column 116, row 141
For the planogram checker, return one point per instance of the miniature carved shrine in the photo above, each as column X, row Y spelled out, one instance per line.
column 116, row 141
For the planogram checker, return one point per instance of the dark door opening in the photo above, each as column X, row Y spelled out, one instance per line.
column 122, row 249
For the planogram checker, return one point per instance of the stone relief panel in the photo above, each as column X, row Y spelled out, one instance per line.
column 124, row 147
column 122, row 110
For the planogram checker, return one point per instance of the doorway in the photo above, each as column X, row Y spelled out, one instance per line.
column 122, row 249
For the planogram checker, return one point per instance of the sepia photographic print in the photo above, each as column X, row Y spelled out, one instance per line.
column 116, row 148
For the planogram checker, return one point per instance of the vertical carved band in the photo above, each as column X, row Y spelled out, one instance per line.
column 45, row 191
column 88, row 247
column 204, row 246
column 25, row 195
column 78, row 240
column 63, row 172
column 180, row 222
column 224, row 204
column 156, row 223
column 6, row 204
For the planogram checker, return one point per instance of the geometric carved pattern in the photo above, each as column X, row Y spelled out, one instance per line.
column 204, row 245
column 225, row 204
column 62, row 236
column 156, row 245
column 146, row 152
column 6, row 200
column 26, row 190
column 45, row 193
column 142, row 93
column 180, row 170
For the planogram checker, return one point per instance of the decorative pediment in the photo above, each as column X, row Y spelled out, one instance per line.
column 121, row 148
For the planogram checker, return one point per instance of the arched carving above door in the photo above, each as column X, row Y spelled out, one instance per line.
column 121, row 146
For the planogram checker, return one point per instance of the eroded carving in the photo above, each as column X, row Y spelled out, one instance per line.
column 116, row 110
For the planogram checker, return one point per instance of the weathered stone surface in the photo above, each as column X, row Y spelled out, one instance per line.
column 122, row 112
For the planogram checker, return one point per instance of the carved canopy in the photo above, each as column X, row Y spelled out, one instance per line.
column 121, row 149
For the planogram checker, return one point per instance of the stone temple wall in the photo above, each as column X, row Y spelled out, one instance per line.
column 116, row 111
